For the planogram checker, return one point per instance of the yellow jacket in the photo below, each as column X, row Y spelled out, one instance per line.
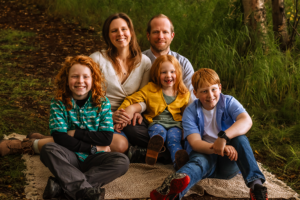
column 152, row 95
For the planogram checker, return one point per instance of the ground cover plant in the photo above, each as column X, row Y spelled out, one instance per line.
column 209, row 33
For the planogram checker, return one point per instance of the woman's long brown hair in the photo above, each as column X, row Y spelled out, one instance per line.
column 135, row 56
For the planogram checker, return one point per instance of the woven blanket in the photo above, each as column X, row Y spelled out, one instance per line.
column 141, row 179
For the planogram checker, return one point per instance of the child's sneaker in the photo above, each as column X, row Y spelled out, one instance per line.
column 171, row 187
column 181, row 158
column 136, row 154
column 154, row 146
column 259, row 193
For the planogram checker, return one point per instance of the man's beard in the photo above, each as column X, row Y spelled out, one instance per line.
column 159, row 49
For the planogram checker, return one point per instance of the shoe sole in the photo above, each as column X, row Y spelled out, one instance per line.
column 181, row 158
column 154, row 146
column 176, row 186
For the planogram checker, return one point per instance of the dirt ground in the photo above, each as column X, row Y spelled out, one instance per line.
column 55, row 39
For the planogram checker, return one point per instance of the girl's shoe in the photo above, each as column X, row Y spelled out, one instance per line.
column 171, row 187
column 181, row 158
column 154, row 146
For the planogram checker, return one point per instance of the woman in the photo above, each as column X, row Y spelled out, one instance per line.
column 125, row 69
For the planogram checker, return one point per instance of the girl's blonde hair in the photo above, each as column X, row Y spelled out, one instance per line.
column 63, row 92
column 156, row 68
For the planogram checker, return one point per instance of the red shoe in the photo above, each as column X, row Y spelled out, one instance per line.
column 259, row 193
column 171, row 187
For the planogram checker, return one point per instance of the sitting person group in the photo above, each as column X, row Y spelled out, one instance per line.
column 95, row 119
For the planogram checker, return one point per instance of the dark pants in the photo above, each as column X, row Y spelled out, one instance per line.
column 138, row 136
column 74, row 175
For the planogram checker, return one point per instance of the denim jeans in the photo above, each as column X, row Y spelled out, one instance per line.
column 202, row 166
column 172, row 137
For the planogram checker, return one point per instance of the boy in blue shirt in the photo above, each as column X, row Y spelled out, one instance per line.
column 215, row 128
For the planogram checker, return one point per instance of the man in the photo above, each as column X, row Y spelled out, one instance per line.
column 160, row 33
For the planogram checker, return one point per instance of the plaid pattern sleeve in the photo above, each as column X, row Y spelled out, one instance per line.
column 106, row 122
column 58, row 119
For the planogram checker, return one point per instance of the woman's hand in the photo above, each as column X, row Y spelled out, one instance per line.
column 103, row 148
column 120, row 117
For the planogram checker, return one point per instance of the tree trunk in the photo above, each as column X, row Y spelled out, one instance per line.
column 279, row 23
column 255, row 18
column 260, row 18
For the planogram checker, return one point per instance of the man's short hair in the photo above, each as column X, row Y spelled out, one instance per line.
column 205, row 76
column 159, row 16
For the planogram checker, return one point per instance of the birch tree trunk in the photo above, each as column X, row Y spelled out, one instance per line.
column 260, row 18
column 255, row 18
column 279, row 23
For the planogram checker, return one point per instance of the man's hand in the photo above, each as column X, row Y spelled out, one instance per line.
column 103, row 148
column 71, row 133
column 120, row 117
column 231, row 152
column 218, row 146
column 137, row 117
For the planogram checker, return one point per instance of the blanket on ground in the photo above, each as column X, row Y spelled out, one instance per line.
column 141, row 179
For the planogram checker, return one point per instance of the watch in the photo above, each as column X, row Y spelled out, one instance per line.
column 93, row 150
column 222, row 134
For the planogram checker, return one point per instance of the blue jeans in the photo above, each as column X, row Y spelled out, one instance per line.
column 202, row 166
column 172, row 137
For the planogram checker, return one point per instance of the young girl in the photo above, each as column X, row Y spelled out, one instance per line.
column 166, row 97
column 82, row 128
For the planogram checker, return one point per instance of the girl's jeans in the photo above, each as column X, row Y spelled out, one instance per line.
column 172, row 137
column 202, row 166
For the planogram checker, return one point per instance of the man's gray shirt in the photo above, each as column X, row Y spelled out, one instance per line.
column 187, row 68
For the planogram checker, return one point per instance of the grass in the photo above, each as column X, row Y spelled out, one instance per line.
column 212, row 34
column 21, row 96
column 21, row 93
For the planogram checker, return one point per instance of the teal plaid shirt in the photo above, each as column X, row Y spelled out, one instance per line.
column 87, row 117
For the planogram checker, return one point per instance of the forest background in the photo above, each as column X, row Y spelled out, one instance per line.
column 250, row 59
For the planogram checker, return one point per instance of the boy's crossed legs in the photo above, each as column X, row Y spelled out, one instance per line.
column 202, row 166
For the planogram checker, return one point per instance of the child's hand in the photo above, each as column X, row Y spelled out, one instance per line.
column 119, row 127
column 231, row 152
column 103, row 148
column 218, row 146
column 120, row 116
column 71, row 133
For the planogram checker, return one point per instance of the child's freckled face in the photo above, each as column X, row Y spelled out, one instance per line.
column 80, row 81
column 208, row 95
column 167, row 75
